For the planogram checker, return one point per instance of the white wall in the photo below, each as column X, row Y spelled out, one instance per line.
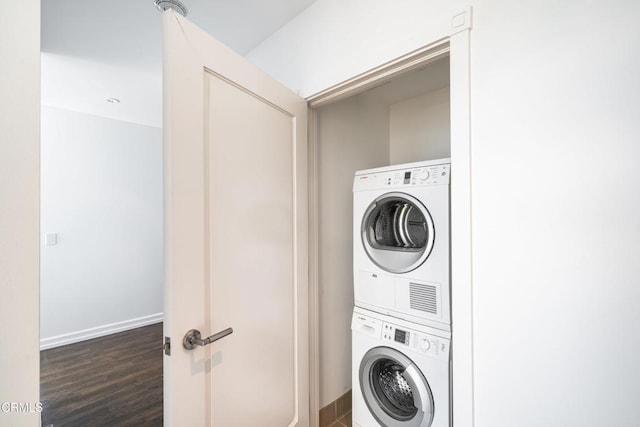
column 419, row 128
column 556, row 228
column 554, row 99
column 19, row 205
column 356, row 131
column 334, row 40
column 75, row 84
column 102, row 196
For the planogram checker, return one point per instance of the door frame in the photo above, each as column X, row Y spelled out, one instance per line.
column 456, row 46
column 20, row 214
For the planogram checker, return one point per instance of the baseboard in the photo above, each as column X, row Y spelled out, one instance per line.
column 99, row 331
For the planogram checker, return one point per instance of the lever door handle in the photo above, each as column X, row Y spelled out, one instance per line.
column 193, row 338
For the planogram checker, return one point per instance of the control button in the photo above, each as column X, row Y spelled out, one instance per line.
column 424, row 175
column 425, row 344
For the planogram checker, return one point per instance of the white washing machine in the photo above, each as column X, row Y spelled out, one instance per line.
column 401, row 373
column 401, row 242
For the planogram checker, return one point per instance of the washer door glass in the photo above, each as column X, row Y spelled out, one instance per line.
column 394, row 390
column 397, row 232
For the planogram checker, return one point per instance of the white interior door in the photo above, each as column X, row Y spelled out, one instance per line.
column 235, row 167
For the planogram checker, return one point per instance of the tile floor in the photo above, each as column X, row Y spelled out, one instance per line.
column 337, row 413
column 345, row 421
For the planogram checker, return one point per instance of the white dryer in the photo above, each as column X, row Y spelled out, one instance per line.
column 401, row 241
column 401, row 373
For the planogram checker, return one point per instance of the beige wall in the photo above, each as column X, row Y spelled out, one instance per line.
column 363, row 132
column 352, row 135
column 19, row 209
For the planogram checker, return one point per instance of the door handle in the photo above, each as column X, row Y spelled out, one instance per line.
column 193, row 338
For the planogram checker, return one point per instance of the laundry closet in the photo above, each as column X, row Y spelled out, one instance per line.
column 402, row 119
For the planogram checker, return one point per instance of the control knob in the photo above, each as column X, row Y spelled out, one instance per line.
column 425, row 344
column 424, row 175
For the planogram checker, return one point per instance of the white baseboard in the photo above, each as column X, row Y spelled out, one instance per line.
column 99, row 331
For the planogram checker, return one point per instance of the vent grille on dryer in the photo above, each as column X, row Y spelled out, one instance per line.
column 423, row 297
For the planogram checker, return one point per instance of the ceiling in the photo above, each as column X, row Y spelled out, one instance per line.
column 96, row 50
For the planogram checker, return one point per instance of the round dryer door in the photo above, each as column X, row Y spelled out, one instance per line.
column 394, row 389
column 397, row 232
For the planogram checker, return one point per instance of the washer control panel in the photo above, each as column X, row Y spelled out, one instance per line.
column 417, row 341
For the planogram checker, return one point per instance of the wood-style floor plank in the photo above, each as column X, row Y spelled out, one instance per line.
column 109, row 381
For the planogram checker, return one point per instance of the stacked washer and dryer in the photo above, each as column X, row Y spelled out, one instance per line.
column 401, row 345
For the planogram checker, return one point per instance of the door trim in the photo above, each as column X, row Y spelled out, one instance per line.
column 379, row 75
column 457, row 47
column 314, row 291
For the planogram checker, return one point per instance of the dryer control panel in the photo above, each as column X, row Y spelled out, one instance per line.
column 428, row 175
column 417, row 341
column 419, row 175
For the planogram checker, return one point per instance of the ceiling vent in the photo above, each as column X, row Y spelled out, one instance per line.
column 163, row 5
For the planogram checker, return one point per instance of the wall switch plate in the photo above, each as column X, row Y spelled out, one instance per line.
column 51, row 239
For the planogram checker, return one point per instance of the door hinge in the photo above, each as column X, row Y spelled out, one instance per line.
column 167, row 346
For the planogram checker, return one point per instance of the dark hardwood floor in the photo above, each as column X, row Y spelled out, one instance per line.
column 109, row 381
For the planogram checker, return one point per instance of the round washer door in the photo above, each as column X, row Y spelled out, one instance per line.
column 397, row 232
column 394, row 389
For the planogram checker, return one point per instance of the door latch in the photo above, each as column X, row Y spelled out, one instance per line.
column 167, row 346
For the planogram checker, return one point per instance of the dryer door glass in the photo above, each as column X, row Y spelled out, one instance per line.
column 394, row 390
column 397, row 232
